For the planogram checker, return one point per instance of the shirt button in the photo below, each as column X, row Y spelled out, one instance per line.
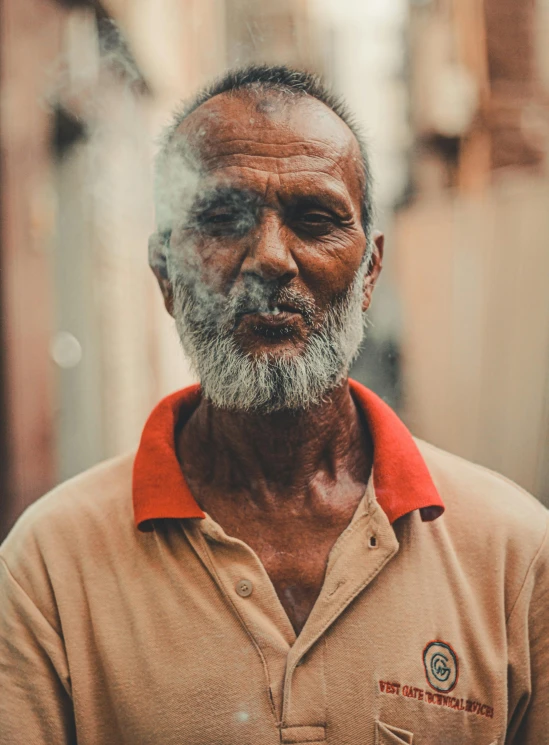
column 244, row 588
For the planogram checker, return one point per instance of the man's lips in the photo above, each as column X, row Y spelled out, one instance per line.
column 273, row 318
column 279, row 316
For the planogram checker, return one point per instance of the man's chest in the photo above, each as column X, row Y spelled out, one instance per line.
column 392, row 641
column 294, row 553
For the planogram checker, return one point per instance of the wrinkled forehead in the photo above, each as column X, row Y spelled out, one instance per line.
column 270, row 125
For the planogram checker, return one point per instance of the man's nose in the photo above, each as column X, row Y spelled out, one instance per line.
column 269, row 255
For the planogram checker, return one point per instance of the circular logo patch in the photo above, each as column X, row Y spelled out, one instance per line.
column 441, row 666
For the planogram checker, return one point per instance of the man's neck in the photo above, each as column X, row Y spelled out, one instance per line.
column 282, row 457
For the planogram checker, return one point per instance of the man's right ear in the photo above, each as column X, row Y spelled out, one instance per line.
column 158, row 245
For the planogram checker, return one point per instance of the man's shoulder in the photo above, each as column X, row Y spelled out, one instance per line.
column 97, row 499
column 482, row 499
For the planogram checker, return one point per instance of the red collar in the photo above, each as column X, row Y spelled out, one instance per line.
column 402, row 482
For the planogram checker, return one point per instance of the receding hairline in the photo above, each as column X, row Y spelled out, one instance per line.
column 260, row 96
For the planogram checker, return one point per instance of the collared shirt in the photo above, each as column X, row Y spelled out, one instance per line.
column 130, row 616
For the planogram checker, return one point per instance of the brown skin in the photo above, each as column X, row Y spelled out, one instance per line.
column 286, row 483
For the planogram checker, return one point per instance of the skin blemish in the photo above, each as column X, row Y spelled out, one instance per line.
column 267, row 106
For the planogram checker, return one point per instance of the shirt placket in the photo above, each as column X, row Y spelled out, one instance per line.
column 247, row 588
column 358, row 556
column 294, row 667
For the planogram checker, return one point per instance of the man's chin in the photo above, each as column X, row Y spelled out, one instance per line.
column 272, row 349
column 260, row 342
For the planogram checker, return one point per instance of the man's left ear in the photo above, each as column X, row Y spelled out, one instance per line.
column 376, row 261
column 158, row 243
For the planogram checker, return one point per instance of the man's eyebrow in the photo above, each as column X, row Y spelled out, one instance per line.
column 225, row 196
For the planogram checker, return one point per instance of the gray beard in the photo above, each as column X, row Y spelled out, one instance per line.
column 232, row 379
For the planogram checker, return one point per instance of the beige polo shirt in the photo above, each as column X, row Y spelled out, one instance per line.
column 128, row 617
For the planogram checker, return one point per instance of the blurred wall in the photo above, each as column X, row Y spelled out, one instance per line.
column 27, row 227
column 88, row 346
column 472, row 243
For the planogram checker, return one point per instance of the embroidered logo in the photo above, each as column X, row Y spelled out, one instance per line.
column 441, row 666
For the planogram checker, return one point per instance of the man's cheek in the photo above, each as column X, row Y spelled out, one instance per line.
column 187, row 263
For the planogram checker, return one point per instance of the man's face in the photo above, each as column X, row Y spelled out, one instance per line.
column 267, row 245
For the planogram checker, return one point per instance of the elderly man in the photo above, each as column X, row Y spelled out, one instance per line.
column 274, row 564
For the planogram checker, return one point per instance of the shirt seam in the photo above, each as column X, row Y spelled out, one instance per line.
column 528, row 572
column 25, row 593
column 342, row 605
column 349, row 530
column 479, row 467
column 205, row 546
column 346, row 602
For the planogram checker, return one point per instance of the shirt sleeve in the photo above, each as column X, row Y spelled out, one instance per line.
column 35, row 699
column 528, row 632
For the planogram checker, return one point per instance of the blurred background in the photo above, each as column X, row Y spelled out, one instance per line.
column 454, row 98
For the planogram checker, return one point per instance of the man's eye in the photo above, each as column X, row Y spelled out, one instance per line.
column 316, row 218
column 314, row 223
column 228, row 222
column 218, row 218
